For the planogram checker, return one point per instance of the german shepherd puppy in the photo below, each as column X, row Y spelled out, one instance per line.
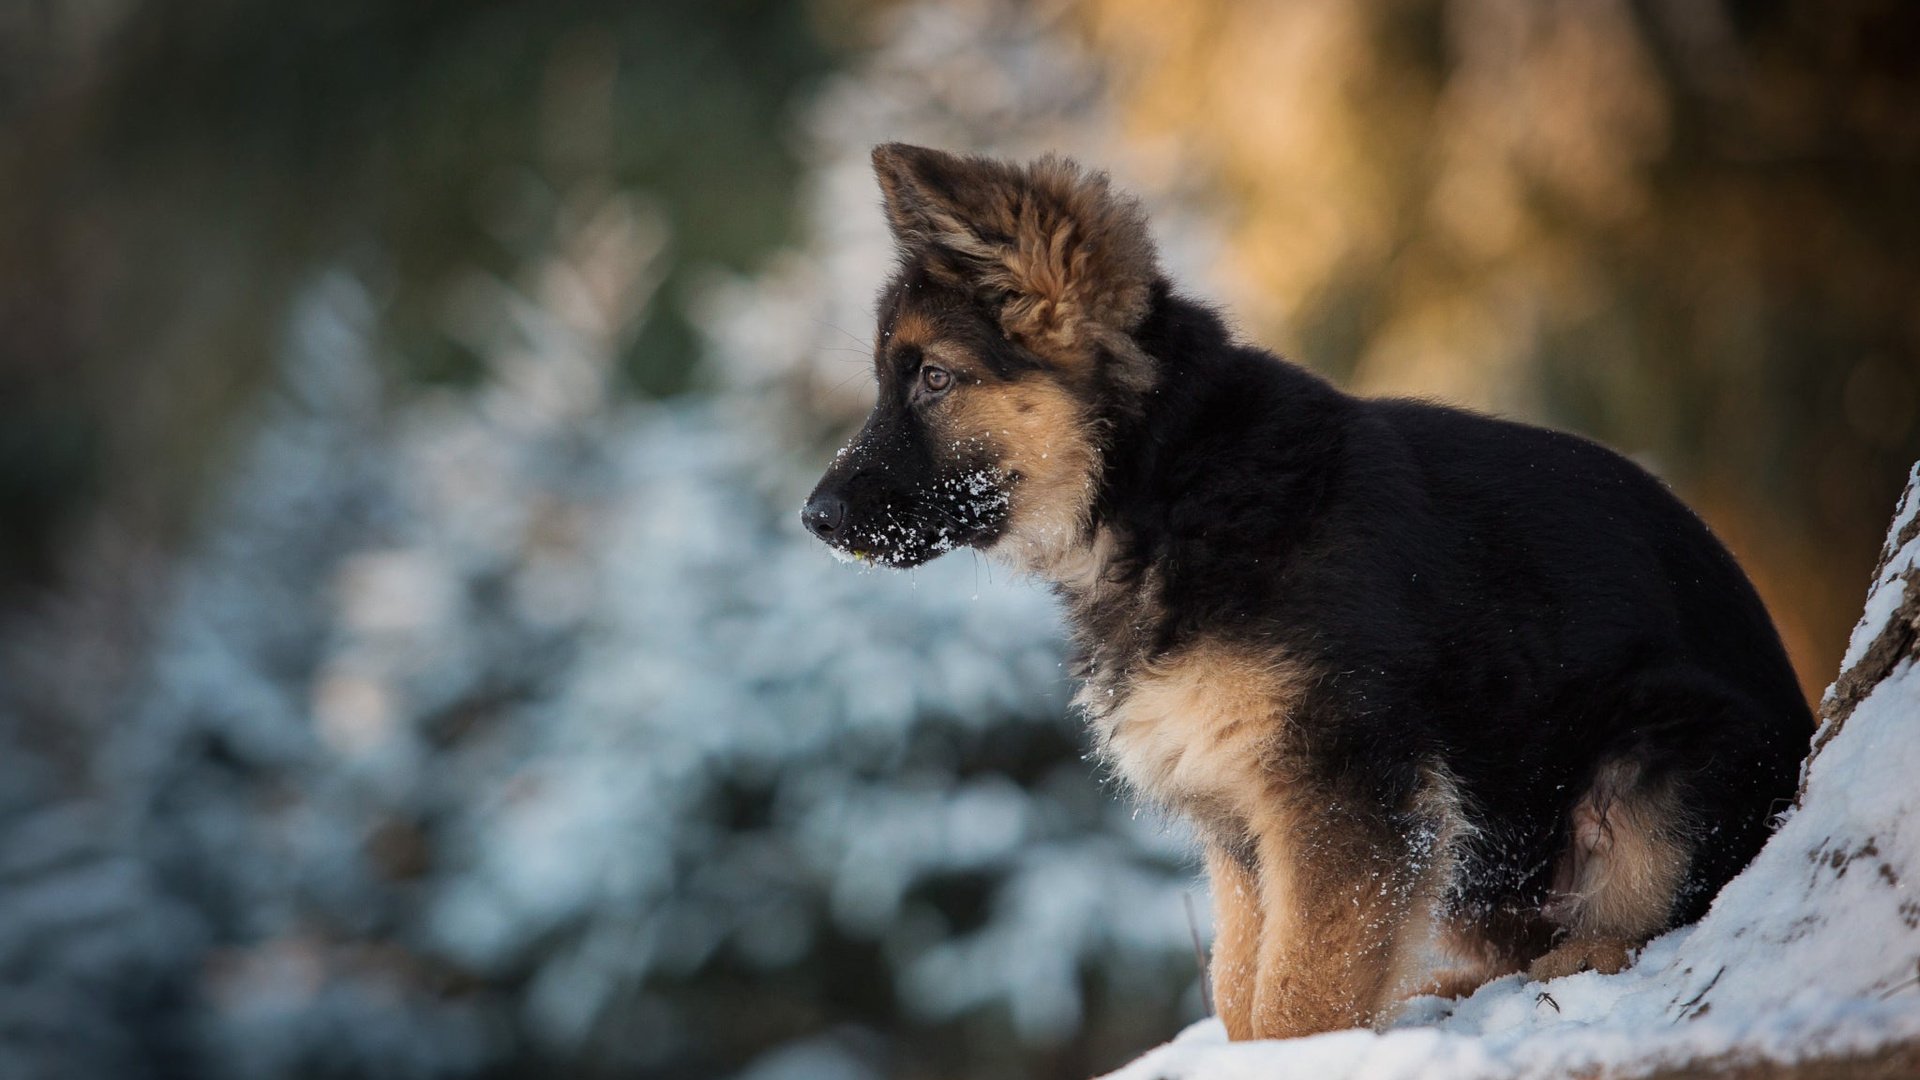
column 1418, row 676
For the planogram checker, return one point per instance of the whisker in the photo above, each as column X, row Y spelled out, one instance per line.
column 843, row 382
column 850, row 336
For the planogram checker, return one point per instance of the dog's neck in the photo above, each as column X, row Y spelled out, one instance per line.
column 1075, row 562
column 1162, row 446
column 1077, row 552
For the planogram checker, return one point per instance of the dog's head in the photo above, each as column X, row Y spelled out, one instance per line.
column 1003, row 350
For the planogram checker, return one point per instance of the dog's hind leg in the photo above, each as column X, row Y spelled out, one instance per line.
column 1615, row 886
column 1703, row 757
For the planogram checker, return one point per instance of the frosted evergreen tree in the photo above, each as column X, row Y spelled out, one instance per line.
column 518, row 725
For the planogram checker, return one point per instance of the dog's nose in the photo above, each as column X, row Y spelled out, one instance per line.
column 824, row 514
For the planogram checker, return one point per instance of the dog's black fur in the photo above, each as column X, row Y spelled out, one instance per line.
column 1516, row 602
column 1513, row 609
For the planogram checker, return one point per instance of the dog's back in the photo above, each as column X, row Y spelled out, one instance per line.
column 1582, row 637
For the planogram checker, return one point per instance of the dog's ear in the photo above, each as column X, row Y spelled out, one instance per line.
column 1057, row 248
column 937, row 200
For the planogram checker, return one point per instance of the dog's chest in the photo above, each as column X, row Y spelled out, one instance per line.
column 1198, row 729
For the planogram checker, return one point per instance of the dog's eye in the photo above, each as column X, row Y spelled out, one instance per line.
column 935, row 379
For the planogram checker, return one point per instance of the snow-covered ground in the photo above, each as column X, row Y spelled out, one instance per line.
column 1813, row 952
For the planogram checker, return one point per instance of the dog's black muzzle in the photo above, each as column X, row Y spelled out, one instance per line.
column 884, row 498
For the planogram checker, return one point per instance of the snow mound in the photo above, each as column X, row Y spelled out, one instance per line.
column 1812, row 952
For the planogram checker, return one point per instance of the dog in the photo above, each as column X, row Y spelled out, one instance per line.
column 1419, row 677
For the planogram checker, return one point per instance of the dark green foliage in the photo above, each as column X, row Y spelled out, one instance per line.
column 186, row 163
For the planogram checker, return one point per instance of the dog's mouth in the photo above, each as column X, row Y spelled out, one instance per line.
column 902, row 540
column 966, row 512
column 897, row 552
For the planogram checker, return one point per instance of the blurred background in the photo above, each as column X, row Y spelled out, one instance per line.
column 410, row 664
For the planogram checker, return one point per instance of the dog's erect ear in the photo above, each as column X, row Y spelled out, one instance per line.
column 937, row 199
column 1062, row 251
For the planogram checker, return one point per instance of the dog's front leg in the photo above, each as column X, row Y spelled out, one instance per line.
column 1235, row 964
column 1336, row 898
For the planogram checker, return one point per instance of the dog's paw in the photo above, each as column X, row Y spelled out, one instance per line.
column 1605, row 956
column 1455, row 983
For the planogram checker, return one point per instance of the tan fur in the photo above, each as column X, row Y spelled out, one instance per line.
column 1615, row 886
column 1337, row 920
column 1320, row 926
column 1460, row 981
column 1433, row 857
column 1235, row 964
column 1321, row 930
column 1625, row 861
column 1039, row 438
column 1604, row 955
column 1084, row 571
column 1200, row 729
column 911, row 327
column 1071, row 257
